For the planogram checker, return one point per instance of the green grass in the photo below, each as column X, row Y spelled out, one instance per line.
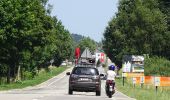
column 41, row 77
column 145, row 93
column 157, row 66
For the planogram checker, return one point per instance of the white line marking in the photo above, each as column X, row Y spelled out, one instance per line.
column 34, row 99
column 56, row 80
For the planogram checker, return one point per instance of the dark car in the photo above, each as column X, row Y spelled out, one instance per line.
column 85, row 79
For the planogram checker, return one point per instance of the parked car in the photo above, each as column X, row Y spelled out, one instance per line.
column 84, row 79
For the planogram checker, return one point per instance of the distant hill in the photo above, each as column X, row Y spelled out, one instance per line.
column 77, row 37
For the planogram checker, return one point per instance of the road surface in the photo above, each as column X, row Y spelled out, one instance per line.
column 56, row 89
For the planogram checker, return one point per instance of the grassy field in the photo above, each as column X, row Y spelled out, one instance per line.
column 145, row 93
column 41, row 77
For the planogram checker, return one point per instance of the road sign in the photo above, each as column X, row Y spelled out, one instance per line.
column 157, row 81
column 51, row 61
column 134, row 80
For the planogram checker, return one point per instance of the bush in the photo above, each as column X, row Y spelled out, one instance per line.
column 157, row 66
column 28, row 75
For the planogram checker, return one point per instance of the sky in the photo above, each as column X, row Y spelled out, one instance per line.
column 85, row 17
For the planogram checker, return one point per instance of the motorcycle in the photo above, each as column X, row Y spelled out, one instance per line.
column 110, row 90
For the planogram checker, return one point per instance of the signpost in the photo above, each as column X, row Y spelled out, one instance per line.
column 134, row 81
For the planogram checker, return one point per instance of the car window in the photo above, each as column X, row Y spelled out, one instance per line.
column 85, row 71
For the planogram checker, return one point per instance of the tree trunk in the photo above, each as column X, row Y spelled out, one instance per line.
column 18, row 75
column 0, row 80
column 8, row 75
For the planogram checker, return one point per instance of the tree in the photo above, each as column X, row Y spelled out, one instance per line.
column 29, row 36
column 164, row 6
column 64, row 43
column 138, row 28
column 87, row 42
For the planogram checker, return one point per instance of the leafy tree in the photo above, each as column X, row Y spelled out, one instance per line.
column 164, row 6
column 138, row 28
column 29, row 36
column 87, row 42
column 64, row 43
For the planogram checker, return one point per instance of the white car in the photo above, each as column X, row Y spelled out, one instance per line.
column 63, row 63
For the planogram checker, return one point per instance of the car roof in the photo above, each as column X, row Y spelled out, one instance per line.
column 84, row 65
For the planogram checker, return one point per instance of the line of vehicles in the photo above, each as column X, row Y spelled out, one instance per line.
column 86, row 77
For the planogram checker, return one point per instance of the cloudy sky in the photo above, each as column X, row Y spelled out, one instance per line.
column 85, row 17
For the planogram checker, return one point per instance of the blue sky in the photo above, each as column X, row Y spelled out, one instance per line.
column 85, row 17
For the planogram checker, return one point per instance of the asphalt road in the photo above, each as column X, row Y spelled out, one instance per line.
column 57, row 89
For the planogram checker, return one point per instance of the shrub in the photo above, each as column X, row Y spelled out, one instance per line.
column 157, row 66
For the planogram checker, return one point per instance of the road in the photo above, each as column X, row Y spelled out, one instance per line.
column 56, row 89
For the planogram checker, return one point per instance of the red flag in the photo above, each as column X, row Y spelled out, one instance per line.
column 77, row 53
column 102, row 57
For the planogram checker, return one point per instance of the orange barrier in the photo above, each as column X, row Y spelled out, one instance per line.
column 164, row 81
column 138, row 78
column 149, row 80
column 134, row 74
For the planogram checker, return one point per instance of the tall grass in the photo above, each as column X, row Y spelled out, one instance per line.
column 41, row 77
column 157, row 66
column 144, row 93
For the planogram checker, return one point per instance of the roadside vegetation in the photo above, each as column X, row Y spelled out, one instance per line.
column 145, row 93
column 42, row 76
column 30, row 39
column 157, row 66
column 154, row 66
column 139, row 27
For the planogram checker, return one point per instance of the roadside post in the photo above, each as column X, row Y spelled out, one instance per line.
column 51, row 62
column 142, row 81
column 157, row 83
column 124, row 75
column 134, row 81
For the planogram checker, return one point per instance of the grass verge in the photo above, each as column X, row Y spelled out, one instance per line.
column 145, row 93
column 41, row 77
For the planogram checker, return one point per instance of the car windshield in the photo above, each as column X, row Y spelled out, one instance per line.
column 85, row 71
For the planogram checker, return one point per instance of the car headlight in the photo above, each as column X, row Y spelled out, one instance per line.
column 74, row 76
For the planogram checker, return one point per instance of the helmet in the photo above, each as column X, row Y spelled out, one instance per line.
column 112, row 67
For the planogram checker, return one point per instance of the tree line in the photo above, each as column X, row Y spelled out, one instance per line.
column 84, row 42
column 139, row 27
column 30, row 38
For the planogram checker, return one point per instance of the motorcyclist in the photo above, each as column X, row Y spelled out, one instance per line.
column 111, row 73
column 110, row 76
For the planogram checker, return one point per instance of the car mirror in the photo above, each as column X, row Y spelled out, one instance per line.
column 102, row 77
column 101, row 74
column 68, row 73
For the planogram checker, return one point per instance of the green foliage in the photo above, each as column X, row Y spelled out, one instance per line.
column 157, row 66
column 77, row 38
column 138, row 28
column 41, row 77
column 145, row 93
column 87, row 42
column 64, row 43
column 30, row 37
column 27, row 75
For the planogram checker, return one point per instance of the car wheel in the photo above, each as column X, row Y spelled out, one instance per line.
column 98, row 93
column 70, row 91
